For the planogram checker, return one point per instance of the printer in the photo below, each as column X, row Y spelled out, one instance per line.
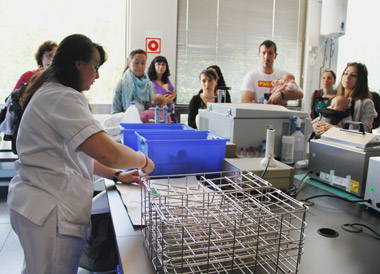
column 340, row 158
column 246, row 124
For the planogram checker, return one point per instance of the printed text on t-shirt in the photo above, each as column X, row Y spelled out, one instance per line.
column 265, row 84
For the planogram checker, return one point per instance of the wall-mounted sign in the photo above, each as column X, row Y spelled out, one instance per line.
column 153, row 45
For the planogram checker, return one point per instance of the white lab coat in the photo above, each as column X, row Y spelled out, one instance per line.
column 50, row 172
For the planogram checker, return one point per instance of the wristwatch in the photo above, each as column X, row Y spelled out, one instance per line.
column 116, row 175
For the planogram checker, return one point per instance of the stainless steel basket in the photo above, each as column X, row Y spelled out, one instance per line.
column 222, row 224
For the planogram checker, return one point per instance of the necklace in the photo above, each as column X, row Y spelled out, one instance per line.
column 207, row 99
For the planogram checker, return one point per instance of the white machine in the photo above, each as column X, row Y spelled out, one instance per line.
column 246, row 124
column 372, row 190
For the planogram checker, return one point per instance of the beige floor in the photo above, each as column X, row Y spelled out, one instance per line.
column 11, row 254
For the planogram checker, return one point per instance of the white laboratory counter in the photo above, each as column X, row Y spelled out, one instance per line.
column 130, row 241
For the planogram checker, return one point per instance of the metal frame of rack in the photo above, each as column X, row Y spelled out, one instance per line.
column 223, row 224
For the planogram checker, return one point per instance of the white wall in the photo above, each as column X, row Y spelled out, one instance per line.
column 153, row 19
column 320, row 54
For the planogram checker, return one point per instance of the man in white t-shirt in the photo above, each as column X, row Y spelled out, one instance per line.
column 259, row 81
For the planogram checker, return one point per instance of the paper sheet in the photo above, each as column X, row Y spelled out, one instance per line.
column 131, row 194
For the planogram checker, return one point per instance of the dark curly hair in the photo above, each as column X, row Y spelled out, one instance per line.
column 152, row 70
column 45, row 47
column 209, row 73
column 221, row 82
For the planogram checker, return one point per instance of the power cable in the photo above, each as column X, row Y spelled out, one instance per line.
column 266, row 168
column 293, row 192
column 334, row 196
column 352, row 228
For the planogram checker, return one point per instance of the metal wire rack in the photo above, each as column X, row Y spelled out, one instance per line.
column 222, row 224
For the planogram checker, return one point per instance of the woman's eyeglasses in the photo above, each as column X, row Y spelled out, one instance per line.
column 96, row 66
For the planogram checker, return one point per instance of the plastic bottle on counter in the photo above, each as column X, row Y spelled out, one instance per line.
column 287, row 149
column 299, row 142
column 165, row 114
column 131, row 115
column 157, row 114
column 241, row 153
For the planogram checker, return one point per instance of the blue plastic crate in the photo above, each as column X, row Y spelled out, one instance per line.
column 129, row 137
column 182, row 152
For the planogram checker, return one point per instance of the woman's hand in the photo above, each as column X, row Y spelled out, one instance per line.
column 170, row 97
column 321, row 127
column 129, row 177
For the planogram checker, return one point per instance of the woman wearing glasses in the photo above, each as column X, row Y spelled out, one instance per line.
column 134, row 86
column 43, row 56
column 60, row 147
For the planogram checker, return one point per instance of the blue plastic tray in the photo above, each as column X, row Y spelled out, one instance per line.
column 129, row 138
column 182, row 152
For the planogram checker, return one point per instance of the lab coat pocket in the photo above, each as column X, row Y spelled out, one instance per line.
column 74, row 214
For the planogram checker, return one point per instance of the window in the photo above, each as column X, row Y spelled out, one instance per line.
column 24, row 26
column 228, row 34
column 358, row 44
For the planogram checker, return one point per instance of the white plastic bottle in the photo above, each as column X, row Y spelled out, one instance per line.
column 131, row 115
column 299, row 142
column 287, row 149
column 157, row 114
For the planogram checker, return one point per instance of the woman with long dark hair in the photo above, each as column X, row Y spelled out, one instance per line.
column 220, row 83
column 159, row 73
column 208, row 84
column 354, row 85
column 61, row 146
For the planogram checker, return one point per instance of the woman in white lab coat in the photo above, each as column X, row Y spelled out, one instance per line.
column 61, row 146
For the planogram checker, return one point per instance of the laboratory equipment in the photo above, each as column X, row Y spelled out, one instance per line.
column 221, row 94
column 372, row 190
column 280, row 176
column 340, row 158
column 223, row 224
column 157, row 111
column 246, row 124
